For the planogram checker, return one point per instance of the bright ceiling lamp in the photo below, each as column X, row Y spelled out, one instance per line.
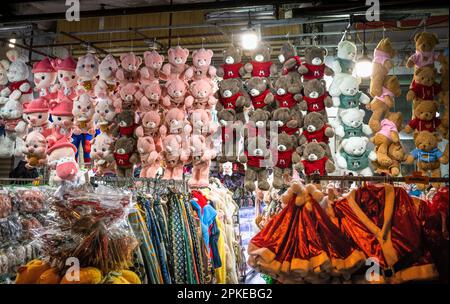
column 12, row 41
column 250, row 36
column 363, row 67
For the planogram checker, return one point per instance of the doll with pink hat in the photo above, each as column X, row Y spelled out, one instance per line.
column 67, row 77
column 36, row 113
column 62, row 118
column 44, row 78
column 61, row 158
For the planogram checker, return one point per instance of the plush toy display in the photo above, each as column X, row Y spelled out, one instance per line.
column 313, row 66
column 423, row 86
column 125, row 156
column 201, row 94
column 86, row 71
column 232, row 66
column 290, row 60
column 102, row 154
column 201, row 65
column 61, row 158
column 354, row 156
column 260, row 64
column 315, row 159
column 315, row 129
column 44, row 75
column 388, row 133
column 231, row 96
column 382, row 63
column 36, row 114
column 19, row 88
column 62, row 118
column 107, row 83
column 426, row 119
column 425, row 54
column 345, row 92
column 257, row 157
column 229, row 132
column 352, row 124
column 175, row 122
column 316, row 97
column 15, row 129
column 201, row 156
column 149, row 156
column 35, row 150
column 288, row 121
column 83, row 112
column 259, row 90
column 128, row 72
column 151, row 70
column 176, row 68
column 287, row 91
column 346, row 56
column 283, row 160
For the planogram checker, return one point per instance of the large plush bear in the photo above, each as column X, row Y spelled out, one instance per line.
column 388, row 133
column 175, row 122
column 151, row 70
column 201, row 156
column 87, row 71
column 288, row 121
column 125, row 156
column 128, row 72
column 231, row 96
column 201, row 94
column 259, row 90
column 19, row 88
column 316, row 129
column 352, row 124
column 315, row 159
column 314, row 66
column 283, row 160
column 107, row 83
column 176, row 68
column 150, row 157
column 315, row 97
column 425, row 117
column 382, row 63
column 15, row 129
column 260, row 64
column 174, row 156
column 44, row 78
column 232, row 66
column 201, row 65
column 345, row 60
column 102, row 153
column 257, row 157
column 176, row 93
column 287, row 91
column 423, row 86
column 354, row 156
column 425, row 54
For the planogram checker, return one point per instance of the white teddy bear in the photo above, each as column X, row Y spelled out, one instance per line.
column 354, row 156
column 15, row 129
column 352, row 124
column 19, row 87
column 345, row 92
column 345, row 60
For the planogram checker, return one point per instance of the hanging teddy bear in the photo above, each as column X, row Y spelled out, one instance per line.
column 67, row 78
column 287, row 92
column 128, row 71
column 45, row 75
column 176, row 95
column 286, row 157
column 201, row 94
column 316, row 129
column 35, row 150
column 260, row 64
column 231, row 96
column 288, row 121
column 86, row 71
column 106, row 84
column 382, row 63
column 291, row 62
column 232, row 66
column 259, row 90
column 83, row 132
column 150, row 125
column 151, row 70
column 104, row 116
column 201, row 65
column 149, row 156
column 150, row 99
column 257, row 158
column 345, row 59
column 175, row 122
column 425, row 117
column 125, row 98
column 397, row 155
column 352, row 124
column 202, row 123
column 4, row 66
column 125, row 125
column 314, row 66
column 425, row 54
column 315, row 97
column 15, row 129
column 19, row 88
column 388, row 133
column 201, row 156
column 176, row 68
column 424, row 85
column 125, row 156
column 345, row 93
column 102, row 154
column 354, row 156
column 315, row 159
column 175, row 155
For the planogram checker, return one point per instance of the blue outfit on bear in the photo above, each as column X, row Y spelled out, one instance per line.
column 427, row 156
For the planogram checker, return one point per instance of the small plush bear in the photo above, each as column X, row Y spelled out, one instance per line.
column 107, row 83
column 316, row 129
column 288, row 121
column 345, row 92
column 259, row 91
column 382, row 63
column 287, row 91
column 176, row 93
column 380, row 105
column 104, row 116
column 128, row 72
column 102, row 154
column 202, row 123
column 315, row 160
column 314, row 66
column 352, row 124
column 125, row 124
column 150, row 98
column 201, row 65
column 260, row 64
column 231, row 96
column 125, row 156
column 315, row 97
column 354, row 156
column 174, row 156
column 19, row 88
column 202, row 96
column 257, row 157
column 257, row 125
column 425, row 54
column 291, row 61
column 35, row 150
column 389, row 133
column 125, row 99
column 150, row 157
column 175, row 122
column 345, row 60
column 176, row 68
column 87, row 71
column 232, row 66
column 425, row 117
column 397, row 154
column 150, row 124
column 423, row 86
column 229, row 132
column 151, row 70
column 201, row 156
column 283, row 159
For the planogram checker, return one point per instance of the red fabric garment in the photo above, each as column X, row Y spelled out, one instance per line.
column 200, row 198
column 315, row 167
column 258, row 101
column 285, row 101
column 425, row 125
column 284, row 159
column 315, row 104
column 288, row 131
column 231, row 70
column 123, row 160
column 16, row 86
column 127, row 131
column 253, row 131
column 230, row 102
column 254, row 161
column 261, row 69
column 314, row 71
column 286, row 71
column 425, row 92
column 317, row 136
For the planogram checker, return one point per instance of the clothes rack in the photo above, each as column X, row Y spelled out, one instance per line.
column 385, row 179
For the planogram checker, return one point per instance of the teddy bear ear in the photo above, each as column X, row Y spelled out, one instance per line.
column 435, row 37
column 323, row 145
column 210, row 52
column 186, row 52
column 417, row 36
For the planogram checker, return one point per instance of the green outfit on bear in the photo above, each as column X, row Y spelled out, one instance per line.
column 347, row 65
column 349, row 101
column 356, row 162
column 350, row 131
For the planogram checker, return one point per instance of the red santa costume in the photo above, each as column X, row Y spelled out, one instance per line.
column 314, row 71
column 258, row 101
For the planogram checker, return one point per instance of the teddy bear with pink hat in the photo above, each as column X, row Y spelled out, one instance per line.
column 61, row 158
column 36, row 113
column 67, row 77
column 44, row 78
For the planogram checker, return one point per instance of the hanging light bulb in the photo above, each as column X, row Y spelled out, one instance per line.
column 12, row 41
column 250, row 37
column 363, row 67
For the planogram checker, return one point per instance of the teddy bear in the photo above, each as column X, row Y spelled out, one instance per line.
column 425, row 54
column 19, row 88
column 62, row 117
column 260, row 64
column 283, row 159
column 15, row 125
column 61, row 158
column 176, row 68
column 428, row 156
column 290, row 60
column 128, row 71
column 232, row 66
column 201, row 65
column 315, row 159
column 150, row 98
column 388, row 133
column 287, row 91
column 150, row 72
column 86, row 71
column 149, row 156
column 35, row 150
column 102, row 154
column 352, row 124
column 353, row 155
column 345, row 59
column 382, row 63
column 257, row 157
column 201, row 94
column 4, row 66
column 231, row 96
column 397, row 154
column 176, row 93
column 381, row 104
column 202, row 123
column 83, row 112
column 36, row 114
column 259, row 90
column 229, row 136
column 423, row 86
column 288, row 121
column 345, row 93
column 315, row 97
column 44, row 75
column 201, row 156
column 443, row 60
column 315, row 129
column 125, row 124
column 175, row 122
column 313, row 66
column 67, row 78
column 30, row 273
column 150, row 125
column 125, row 156
column 174, row 156
column 444, row 128
column 104, row 116
column 257, row 125
column 424, row 117
column 125, row 99
column 106, row 83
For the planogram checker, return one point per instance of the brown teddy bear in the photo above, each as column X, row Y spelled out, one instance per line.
column 382, row 63
column 316, row 129
column 287, row 91
column 259, row 90
column 257, row 157
column 231, row 95
column 423, row 86
column 397, row 154
column 444, row 128
column 260, row 64
column 424, row 55
column 425, row 117
column 232, row 66
column 443, row 60
column 257, row 125
column 314, row 65
column 288, row 121
column 290, row 60
column 316, row 97
column 125, row 156
column 283, row 159
column 428, row 156
column 315, row 159
column 390, row 127
column 381, row 104
column 125, row 125
column 229, row 136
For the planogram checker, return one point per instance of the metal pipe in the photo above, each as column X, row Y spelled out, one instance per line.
column 83, row 41
column 28, row 48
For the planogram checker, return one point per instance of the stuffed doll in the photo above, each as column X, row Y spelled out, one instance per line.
column 174, row 156
column 150, row 124
column 423, row 86
column 125, row 124
column 354, row 156
column 176, row 95
column 345, row 92
column 288, row 121
column 382, row 63
column 315, row 97
column 125, row 156
column 352, row 124
column 30, row 273
column 35, row 150
column 201, row 156
column 313, row 66
column 397, row 155
column 201, row 94
column 257, row 157
column 202, row 123
column 45, row 75
column 150, row 98
column 62, row 118
column 102, row 154
column 232, row 66
column 287, row 91
column 388, row 133
column 201, row 65
column 315, row 129
column 427, row 155
column 149, row 156
column 4, row 66
column 229, row 136
column 175, row 122
column 425, row 117
column 61, row 158
column 83, row 112
column 232, row 96
column 345, row 60
column 128, row 71
column 444, row 128
column 36, row 114
column 107, row 83
column 259, row 90
column 425, row 54
column 283, row 159
column 315, row 160
column 260, row 64
column 15, row 125
column 67, row 78
column 151, row 70
column 381, row 104
column 19, row 88
column 291, row 61
column 176, row 68
column 86, row 71
column 104, row 116
column 126, row 99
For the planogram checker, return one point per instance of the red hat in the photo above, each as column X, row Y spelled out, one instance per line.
column 37, row 105
column 63, row 142
column 44, row 66
column 61, row 108
column 68, row 64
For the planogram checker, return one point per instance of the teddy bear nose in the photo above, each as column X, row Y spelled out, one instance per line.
column 66, row 78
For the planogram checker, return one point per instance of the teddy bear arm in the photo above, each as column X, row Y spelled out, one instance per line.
column 248, row 67
column 242, row 157
column 410, row 95
column 329, row 132
column 302, row 69
column 220, row 72
column 269, row 99
column 389, row 101
column 15, row 95
column 336, row 101
column 395, row 137
column 372, row 156
column 340, row 131
column 189, row 101
column 166, row 101
column 366, row 129
column 139, row 132
column 408, row 129
column 341, row 162
column 328, row 101
column 329, row 166
column 242, row 71
column 5, row 92
column 212, row 100
column 410, row 63
column 212, row 71
column 336, row 67
column 328, row 71
column 410, row 159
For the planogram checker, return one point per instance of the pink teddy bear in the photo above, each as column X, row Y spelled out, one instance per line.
column 151, row 71
column 61, row 158
column 175, row 156
column 201, row 156
column 129, row 68
column 87, row 71
column 150, row 158
column 107, row 83
column 202, row 96
column 83, row 112
column 175, row 123
column 202, row 122
column 176, row 68
column 104, row 115
column 176, row 91
column 125, row 99
column 150, row 99
column 35, row 150
column 202, row 67
column 150, row 126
